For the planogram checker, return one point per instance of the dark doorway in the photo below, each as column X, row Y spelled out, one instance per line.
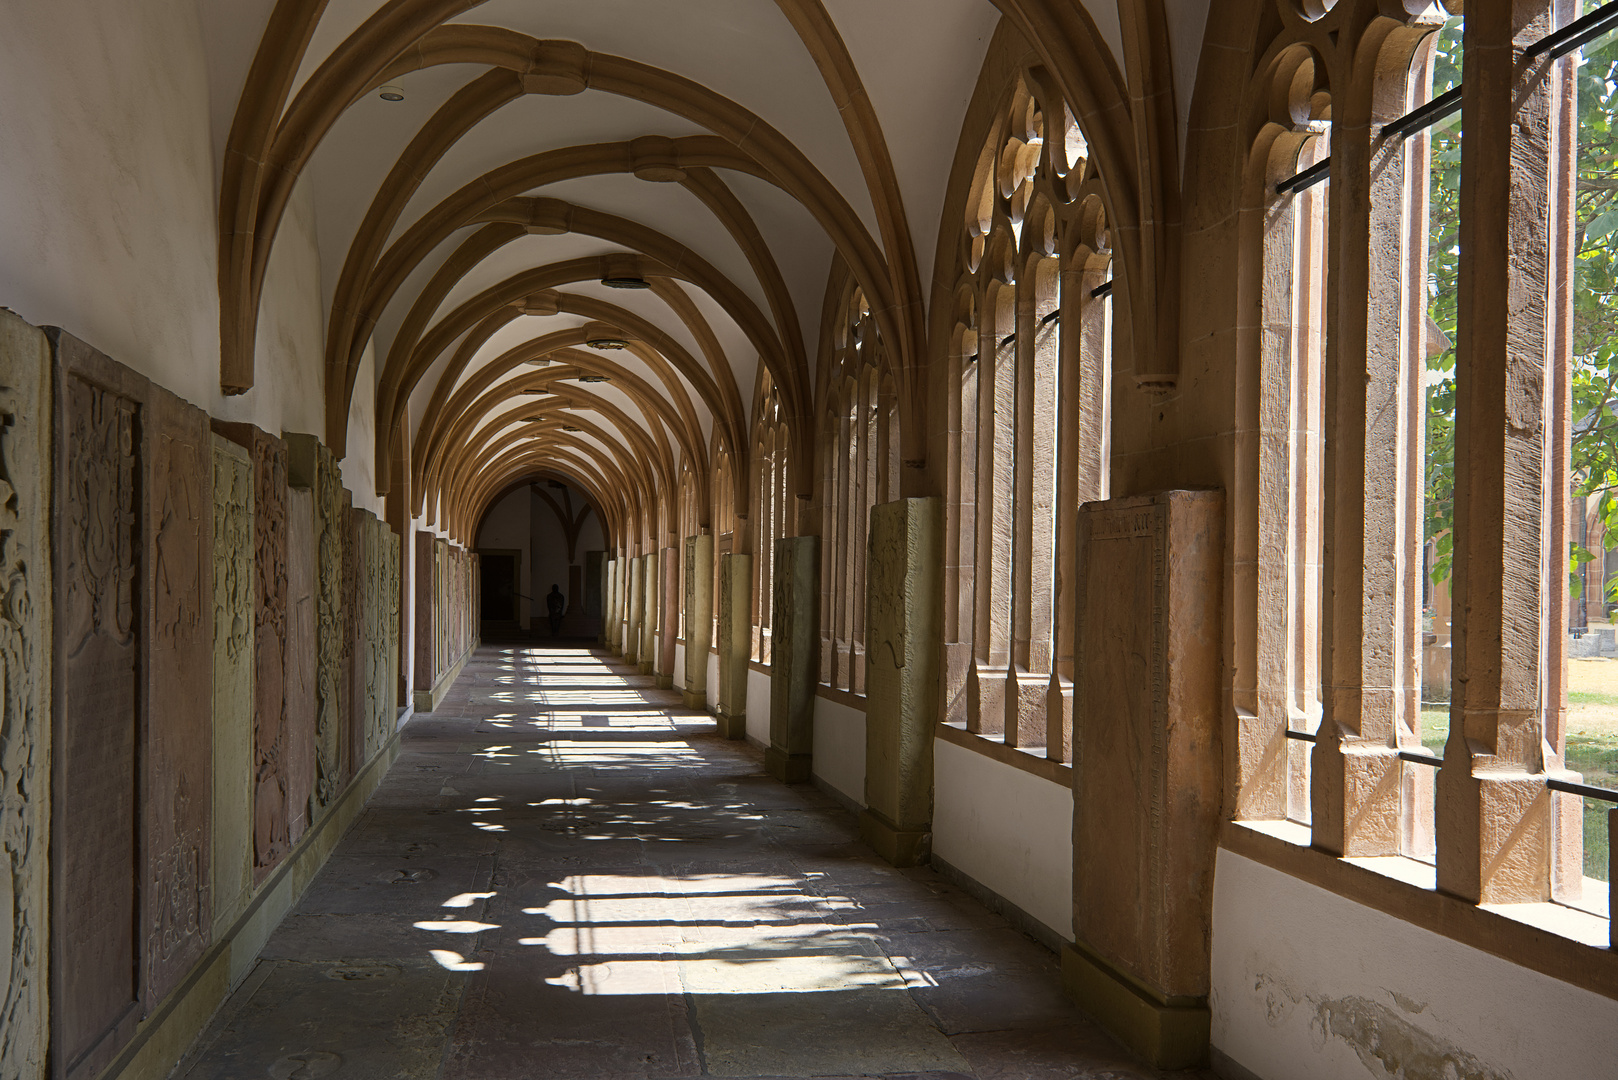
column 499, row 572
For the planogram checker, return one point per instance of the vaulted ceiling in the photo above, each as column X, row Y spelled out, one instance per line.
column 719, row 153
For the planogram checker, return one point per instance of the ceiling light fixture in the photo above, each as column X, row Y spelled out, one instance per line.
column 625, row 283
column 391, row 93
column 595, row 378
column 539, row 361
column 571, row 427
column 607, row 344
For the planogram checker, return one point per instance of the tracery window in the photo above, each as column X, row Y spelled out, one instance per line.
column 860, row 441
column 770, row 507
column 1028, row 419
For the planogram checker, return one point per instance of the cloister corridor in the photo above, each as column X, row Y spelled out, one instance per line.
column 567, row 874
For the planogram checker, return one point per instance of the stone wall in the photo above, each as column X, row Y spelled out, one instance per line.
column 162, row 649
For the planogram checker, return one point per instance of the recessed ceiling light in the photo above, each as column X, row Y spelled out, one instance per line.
column 595, row 378
column 607, row 343
column 571, row 427
column 625, row 283
column 391, row 93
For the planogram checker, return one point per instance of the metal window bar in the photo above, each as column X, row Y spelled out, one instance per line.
column 1553, row 46
column 1414, row 756
column 1105, row 288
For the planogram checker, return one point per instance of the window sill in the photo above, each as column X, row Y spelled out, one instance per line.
column 846, row 698
column 1029, row 759
column 1557, row 940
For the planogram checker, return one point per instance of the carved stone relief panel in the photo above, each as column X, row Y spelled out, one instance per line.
column 270, row 751
column 349, row 621
column 300, row 661
column 312, row 466
column 424, row 608
column 25, row 689
column 377, row 690
column 178, row 758
column 359, row 660
column 101, row 450
column 388, row 631
column 232, row 680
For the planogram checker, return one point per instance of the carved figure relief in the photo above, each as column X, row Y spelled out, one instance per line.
column 25, row 681
column 96, row 833
column 177, row 802
column 270, row 806
column 330, row 519
column 233, row 661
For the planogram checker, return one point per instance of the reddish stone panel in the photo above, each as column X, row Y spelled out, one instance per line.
column 178, row 762
column 301, row 661
column 270, row 803
column 101, row 450
column 426, row 612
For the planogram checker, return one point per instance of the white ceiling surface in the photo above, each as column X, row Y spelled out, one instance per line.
column 918, row 59
column 920, row 106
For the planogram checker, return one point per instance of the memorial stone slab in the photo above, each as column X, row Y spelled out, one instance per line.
column 302, row 617
column 25, row 687
column 101, row 452
column 177, row 808
column 232, row 680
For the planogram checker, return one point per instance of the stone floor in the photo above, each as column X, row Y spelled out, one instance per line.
column 566, row 874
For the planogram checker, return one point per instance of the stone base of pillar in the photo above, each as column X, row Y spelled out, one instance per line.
column 788, row 768
column 1170, row 1033
column 901, row 847
column 665, row 682
column 732, row 726
column 694, row 699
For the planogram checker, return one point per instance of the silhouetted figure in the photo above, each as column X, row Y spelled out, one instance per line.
column 554, row 603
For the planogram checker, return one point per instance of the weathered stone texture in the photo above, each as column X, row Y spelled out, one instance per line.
column 794, row 658
column 348, row 621
column 1146, row 758
column 271, row 750
column 735, row 636
column 698, row 617
column 101, row 452
column 300, row 661
column 178, row 760
column 232, row 680
column 25, row 688
column 311, row 465
column 903, row 623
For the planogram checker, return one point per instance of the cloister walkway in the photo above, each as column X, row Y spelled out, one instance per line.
column 567, row 874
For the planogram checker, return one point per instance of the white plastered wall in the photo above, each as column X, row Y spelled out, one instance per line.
column 1306, row 982
column 758, row 706
column 508, row 527
column 1008, row 830
column 839, row 759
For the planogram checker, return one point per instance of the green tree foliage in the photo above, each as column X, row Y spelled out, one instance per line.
column 1595, row 288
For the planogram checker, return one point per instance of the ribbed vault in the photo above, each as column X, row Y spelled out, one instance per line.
column 596, row 295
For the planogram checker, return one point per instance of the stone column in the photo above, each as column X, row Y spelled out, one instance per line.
column 698, row 617
column 903, row 627
column 649, row 596
column 609, row 604
column 1494, row 819
column 735, row 640
column 1147, row 769
column 793, row 658
column 668, row 608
